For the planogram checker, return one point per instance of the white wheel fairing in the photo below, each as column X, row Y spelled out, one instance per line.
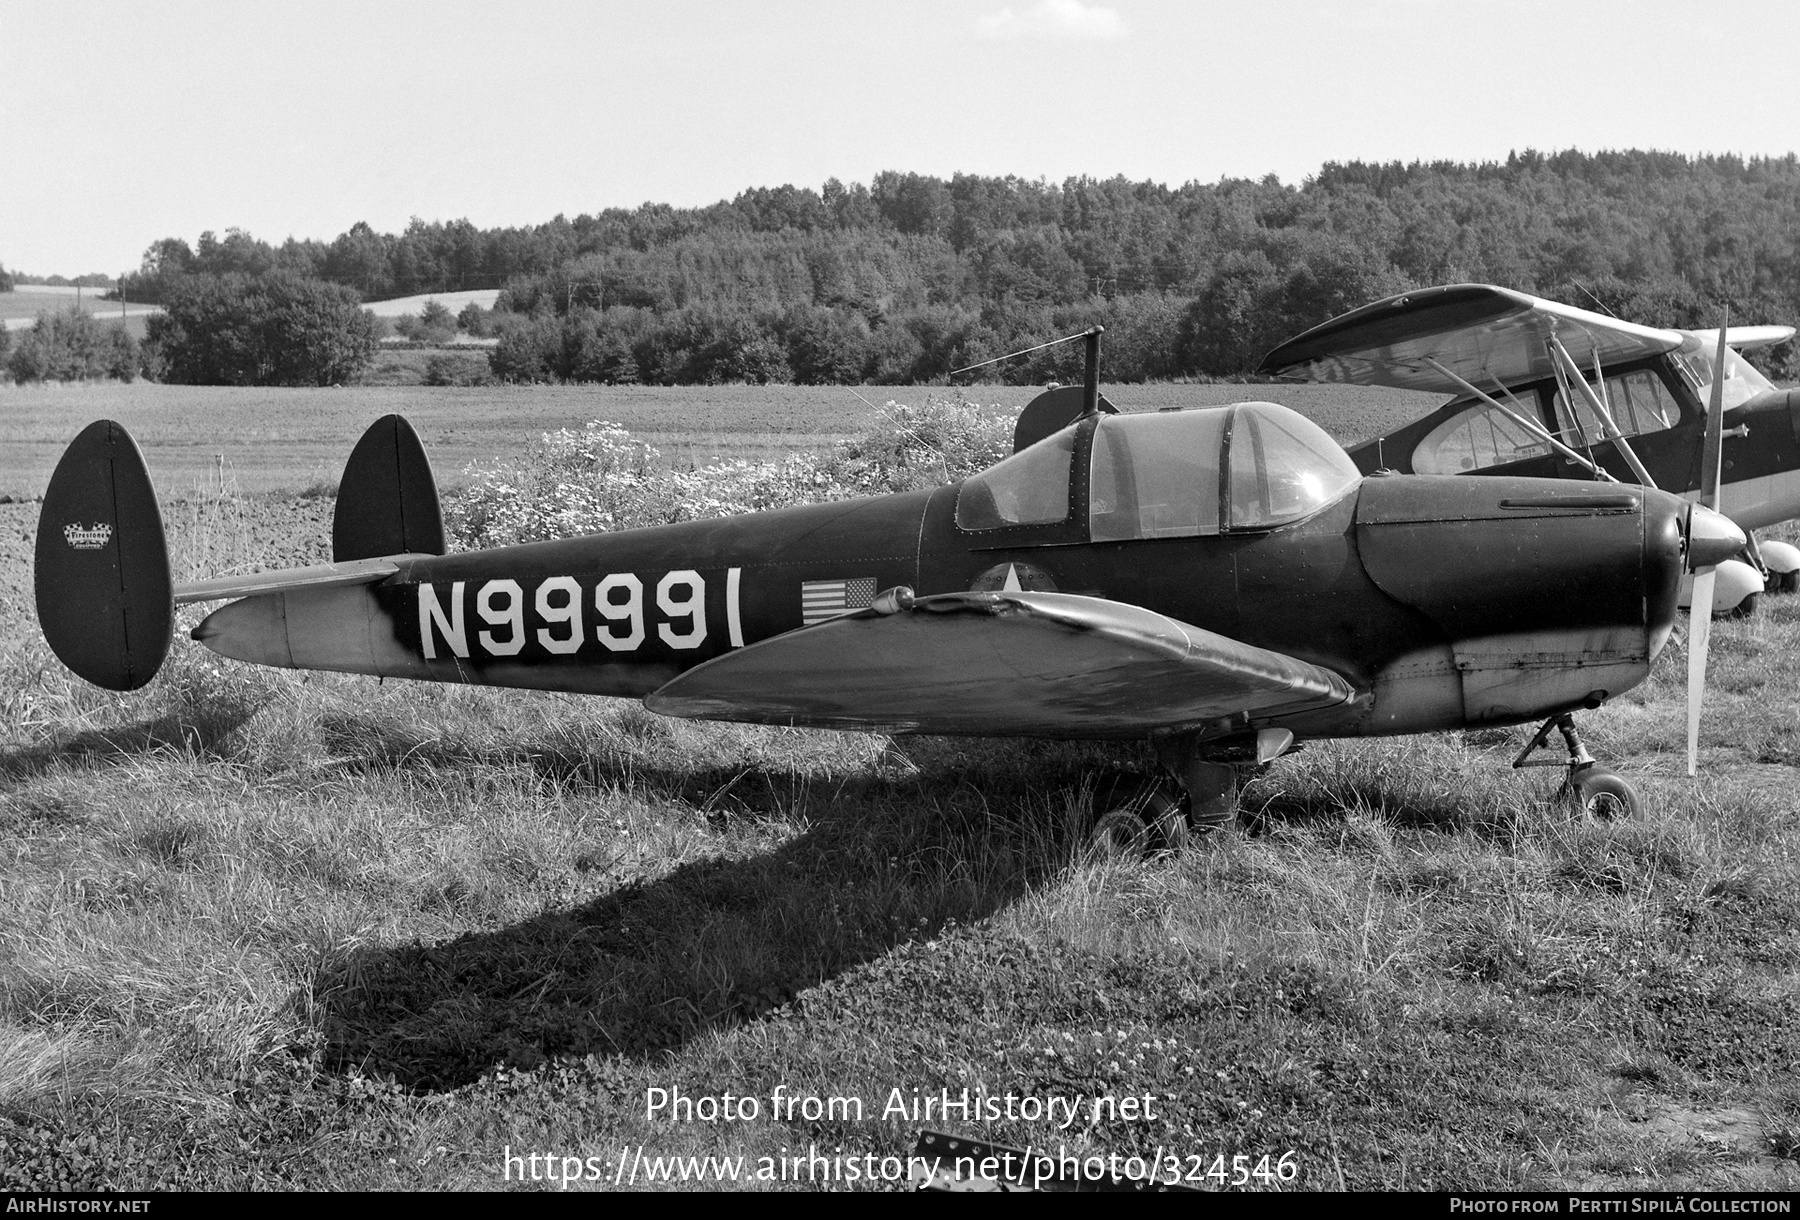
column 1734, row 582
column 1783, row 557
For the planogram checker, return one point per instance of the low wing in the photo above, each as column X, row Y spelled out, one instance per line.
column 1483, row 333
column 1013, row 664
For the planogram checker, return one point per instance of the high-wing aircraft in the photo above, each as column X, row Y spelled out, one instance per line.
column 1548, row 390
column 1219, row 581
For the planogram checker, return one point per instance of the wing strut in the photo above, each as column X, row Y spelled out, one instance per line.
column 1530, row 425
column 1571, row 374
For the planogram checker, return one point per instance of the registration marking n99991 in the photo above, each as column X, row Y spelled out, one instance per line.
column 557, row 606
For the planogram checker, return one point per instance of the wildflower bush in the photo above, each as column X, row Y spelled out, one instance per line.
column 600, row 478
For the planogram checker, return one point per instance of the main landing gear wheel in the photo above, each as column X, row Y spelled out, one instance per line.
column 1603, row 795
column 1120, row 835
column 1743, row 609
column 1137, row 815
column 1598, row 792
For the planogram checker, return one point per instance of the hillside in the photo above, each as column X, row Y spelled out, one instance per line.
column 909, row 276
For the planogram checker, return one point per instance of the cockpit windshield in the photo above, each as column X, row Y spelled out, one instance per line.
column 1742, row 381
column 1283, row 467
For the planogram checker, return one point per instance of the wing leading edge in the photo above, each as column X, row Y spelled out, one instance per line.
column 1482, row 333
column 999, row 664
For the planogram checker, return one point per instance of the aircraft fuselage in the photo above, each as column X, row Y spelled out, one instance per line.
column 1445, row 602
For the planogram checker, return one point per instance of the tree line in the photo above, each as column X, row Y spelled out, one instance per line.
column 911, row 276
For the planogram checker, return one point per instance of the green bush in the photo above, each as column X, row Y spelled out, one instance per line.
column 69, row 345
column 436, row 323
column 447, row 369
column 600, row 478
column 474, row 320
column 274, row 329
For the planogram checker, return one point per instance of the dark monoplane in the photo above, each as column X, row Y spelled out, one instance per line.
column 1219, row 581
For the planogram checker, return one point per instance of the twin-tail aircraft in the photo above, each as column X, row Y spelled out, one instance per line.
column 1547, row 390
column 1223, row 582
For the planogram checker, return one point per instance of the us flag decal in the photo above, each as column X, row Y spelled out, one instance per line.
column 820, row 599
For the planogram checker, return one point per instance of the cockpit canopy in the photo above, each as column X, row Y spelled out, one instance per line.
column 1167, row 474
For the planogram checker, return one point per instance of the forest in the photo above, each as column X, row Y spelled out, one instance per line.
column 911, row 276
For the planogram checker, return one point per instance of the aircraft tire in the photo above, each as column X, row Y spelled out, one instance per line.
column 1120, row 835
column 1605, row 796
column 1743, row 609
column 1787, row 582
column 1167, row 818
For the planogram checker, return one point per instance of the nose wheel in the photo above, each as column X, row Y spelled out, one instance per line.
column 1599, row 792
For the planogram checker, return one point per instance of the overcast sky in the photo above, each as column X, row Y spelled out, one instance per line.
column 121, row 123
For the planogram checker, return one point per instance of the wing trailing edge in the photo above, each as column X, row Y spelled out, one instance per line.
column 1000, row 664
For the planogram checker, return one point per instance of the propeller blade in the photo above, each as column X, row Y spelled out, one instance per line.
column 1707, row 536
column 1712, row 447
column 1699, row 636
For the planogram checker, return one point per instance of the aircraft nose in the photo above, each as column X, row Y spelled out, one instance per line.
column 1712, row 538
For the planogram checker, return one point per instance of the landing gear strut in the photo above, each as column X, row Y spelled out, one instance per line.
column 1598, row 791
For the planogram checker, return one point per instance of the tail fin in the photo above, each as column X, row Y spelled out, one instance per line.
column 387, row 503
column 104, row 595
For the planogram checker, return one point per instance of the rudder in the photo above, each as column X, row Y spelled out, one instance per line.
column 387, row 503
column 105, row 597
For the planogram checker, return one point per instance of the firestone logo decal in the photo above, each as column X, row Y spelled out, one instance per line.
column 92, row 538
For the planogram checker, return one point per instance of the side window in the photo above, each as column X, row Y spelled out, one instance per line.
column 1155, row 476
column 1479, row 437
column 1029, row 488
column 1639, row 402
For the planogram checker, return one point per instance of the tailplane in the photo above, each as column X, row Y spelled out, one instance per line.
column 105, row 598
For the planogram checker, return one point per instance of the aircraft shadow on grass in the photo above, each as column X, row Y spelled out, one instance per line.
column 720, row 941
column 204, row 734
column 884, row 860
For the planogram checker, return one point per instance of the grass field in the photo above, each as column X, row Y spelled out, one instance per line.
column 289, row 439
column 455, row 302
column 268, row 929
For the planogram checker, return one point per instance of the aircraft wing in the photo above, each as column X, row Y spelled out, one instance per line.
column 1000, row 664
column 1483, row 333
column 1740, row 338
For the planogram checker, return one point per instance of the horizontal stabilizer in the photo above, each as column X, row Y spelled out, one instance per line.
column 101, row 569
column 323, row 576
column 1004, row 663
column 387, row 501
